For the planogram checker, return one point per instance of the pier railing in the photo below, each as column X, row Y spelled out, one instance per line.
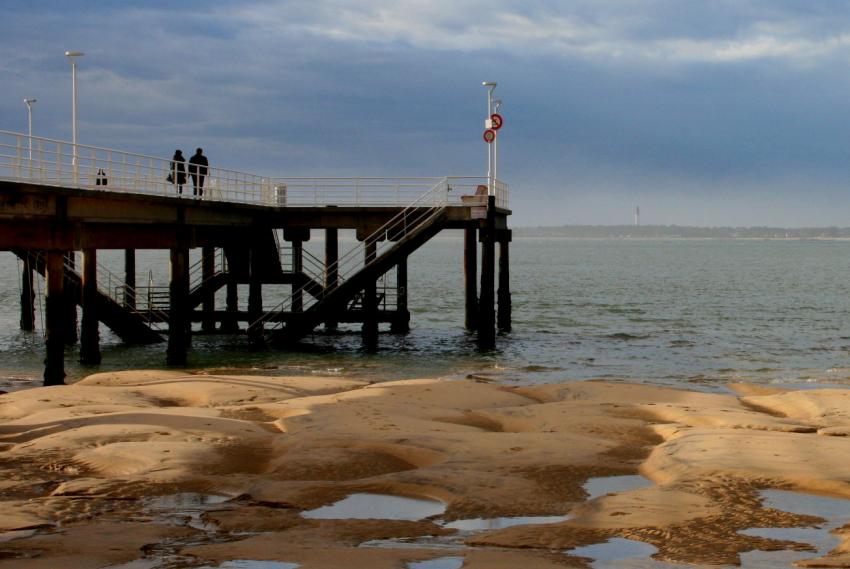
column 60, row 163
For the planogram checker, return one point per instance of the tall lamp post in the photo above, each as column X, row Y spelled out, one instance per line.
column 28, row 103
column 491, row 85
column 72, row 55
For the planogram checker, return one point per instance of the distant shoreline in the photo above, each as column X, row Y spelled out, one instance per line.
column 682, row 232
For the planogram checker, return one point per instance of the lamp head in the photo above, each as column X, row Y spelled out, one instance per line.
column 30, row 101
column 491, row 84
column 74, row 54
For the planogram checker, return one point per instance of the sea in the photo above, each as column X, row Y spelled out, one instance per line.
column 696, row 314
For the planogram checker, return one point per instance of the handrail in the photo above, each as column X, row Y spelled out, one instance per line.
column 311, row 265
column 55, row 162
column 416, row 214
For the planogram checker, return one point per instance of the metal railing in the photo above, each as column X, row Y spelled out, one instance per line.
column 417, row 214
column 311, row 265
column 52, row 162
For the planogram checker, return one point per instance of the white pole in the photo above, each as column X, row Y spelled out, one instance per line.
column 29, row 103
column 71, row 55
column 496, row 106
column 490, row 86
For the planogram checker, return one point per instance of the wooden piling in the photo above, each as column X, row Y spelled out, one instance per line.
column 369, row 330
column 401, row 321
column 255, row 298
column 470, row 277
column 130, row 278
column 208, row 304
column 503, row 317
column 331, row 269
column 178, row 323
column 297, row 269
column 89, row 332
column 486, row 304
column 56, row 319
column 71, row 295
column 27, row 296
column 230, row 324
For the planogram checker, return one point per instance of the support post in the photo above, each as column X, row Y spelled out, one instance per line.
column 486, row 306
column 130, row 278
column 71, row 296
column 470, row 277
column 230, row 325
column 369, row 330
column 401, row 321
column 27, row 296
column 503, row 316
column 298, row 270
column 54, row 361
column 255, row 299
column 208, row 304
column 89, row 333
column 178, row 322
column 331, row 269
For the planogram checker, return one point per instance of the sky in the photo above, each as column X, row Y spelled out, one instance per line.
column 714, row 113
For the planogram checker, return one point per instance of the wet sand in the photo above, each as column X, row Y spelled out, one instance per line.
column 80, row 465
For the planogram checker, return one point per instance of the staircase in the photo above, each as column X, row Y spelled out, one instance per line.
column 132, row 326
column 403, row 234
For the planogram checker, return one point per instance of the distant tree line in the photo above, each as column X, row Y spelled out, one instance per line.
column 681, row 231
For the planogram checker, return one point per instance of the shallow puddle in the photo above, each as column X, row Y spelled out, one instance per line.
column 617, row 552
column 16, row 534
column 482, row 524
column 378, row 506
column 603, row 485
column 248, row 564
column 835, row 511
column 183, row 500
column 137, row 564
column 439, row 563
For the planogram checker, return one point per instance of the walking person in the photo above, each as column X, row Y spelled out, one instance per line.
column 198, row 168
column 178, row 171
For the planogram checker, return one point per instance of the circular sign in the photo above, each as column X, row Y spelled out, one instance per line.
column 489, row 135
column 496, row 121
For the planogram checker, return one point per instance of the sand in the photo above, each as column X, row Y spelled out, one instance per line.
column 81, row 463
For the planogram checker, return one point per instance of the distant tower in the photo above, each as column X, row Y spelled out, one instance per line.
column 637, row 216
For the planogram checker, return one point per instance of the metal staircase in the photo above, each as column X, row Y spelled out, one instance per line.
column 391, row 243
column 136, row 314
column 130, row 324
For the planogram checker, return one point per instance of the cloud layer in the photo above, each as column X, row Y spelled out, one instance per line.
column 700, row 112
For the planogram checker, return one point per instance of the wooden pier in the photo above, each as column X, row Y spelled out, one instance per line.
column 44, row 219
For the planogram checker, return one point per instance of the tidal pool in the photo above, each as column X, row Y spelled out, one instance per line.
column 378, row 506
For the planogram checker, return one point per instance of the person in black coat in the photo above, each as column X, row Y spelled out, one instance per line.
column 178, row 171
column 198, row 168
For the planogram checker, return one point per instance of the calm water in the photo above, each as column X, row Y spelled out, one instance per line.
column 674, row 312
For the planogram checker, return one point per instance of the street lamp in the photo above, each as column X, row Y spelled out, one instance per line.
column 491, row 85
column 28, row 103
column 71, row 55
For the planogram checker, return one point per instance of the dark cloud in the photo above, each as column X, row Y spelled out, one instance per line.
column 679, row 105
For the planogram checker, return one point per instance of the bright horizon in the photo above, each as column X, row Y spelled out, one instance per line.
column 716, row 114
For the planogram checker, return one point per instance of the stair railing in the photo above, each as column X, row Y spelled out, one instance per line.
column 196, row 270
column 417, row 214
column 113, row 286
column 311, row 265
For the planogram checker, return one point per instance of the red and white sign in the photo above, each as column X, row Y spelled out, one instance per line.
column 496, row 121
column 489, row 136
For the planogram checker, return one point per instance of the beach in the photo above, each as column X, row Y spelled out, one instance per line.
column 108, row 460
